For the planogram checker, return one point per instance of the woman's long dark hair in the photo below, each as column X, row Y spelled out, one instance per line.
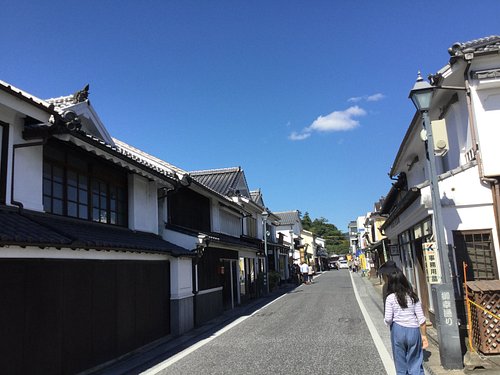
column 398, row 284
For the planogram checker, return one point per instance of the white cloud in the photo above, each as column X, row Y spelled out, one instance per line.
column 299, row 137
column 337, row 120
column 369, row 98
column 375, row 97
column 355, row 99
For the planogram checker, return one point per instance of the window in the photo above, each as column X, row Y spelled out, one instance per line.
column 83, row 187
column 251, row 227
column 475, row 248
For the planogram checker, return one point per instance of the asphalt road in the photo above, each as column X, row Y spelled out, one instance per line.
column 314, row 329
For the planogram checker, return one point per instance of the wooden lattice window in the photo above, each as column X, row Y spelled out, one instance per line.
column 476, row 249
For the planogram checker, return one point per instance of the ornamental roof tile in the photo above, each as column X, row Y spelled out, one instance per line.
column 477, row 46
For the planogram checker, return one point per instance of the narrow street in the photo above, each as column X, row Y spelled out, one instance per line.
column 281, row 337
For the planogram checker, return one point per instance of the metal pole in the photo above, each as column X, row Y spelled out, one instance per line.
column 443, row 294
column 266, row 279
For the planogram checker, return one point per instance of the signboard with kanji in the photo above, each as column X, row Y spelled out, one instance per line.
column 432, row 267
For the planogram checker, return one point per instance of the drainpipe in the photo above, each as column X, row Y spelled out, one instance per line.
column 4, row 156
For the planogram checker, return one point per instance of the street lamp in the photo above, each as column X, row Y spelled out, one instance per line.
column 443, row 293
column 265, row 215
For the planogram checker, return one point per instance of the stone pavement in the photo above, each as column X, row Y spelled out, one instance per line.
column 486, row 365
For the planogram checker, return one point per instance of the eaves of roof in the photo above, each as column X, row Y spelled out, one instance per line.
column 226, row 200
column 402, row 205
column 122, row 154
column 28, row 98
column 391, row 197
column 378, row 245
column 415, row 122
column 216, row 239
column 28, row 228
column 154, row 160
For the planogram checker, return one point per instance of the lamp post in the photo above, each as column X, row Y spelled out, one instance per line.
column 265, row 215
column 443, row 293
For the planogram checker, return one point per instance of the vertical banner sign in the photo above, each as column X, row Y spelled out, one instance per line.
column 432, row 267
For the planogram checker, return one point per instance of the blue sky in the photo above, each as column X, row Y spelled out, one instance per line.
column 310, row 98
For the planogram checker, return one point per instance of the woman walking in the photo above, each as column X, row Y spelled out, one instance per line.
column 403, row 313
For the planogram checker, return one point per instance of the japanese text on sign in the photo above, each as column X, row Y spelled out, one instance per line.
column 447, row 311
column 432, row 268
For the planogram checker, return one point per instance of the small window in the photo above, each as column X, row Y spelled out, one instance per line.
column 476, row 250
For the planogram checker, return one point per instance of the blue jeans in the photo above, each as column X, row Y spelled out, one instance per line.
column 407, row 350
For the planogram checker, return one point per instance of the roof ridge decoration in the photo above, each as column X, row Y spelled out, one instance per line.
column 68, row 100
column 484, row 45
column 148, row 162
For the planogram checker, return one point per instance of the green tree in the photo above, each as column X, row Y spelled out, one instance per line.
column 306, row 221
column 336, row 242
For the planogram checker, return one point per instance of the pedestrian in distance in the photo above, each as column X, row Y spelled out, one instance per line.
column 356, row 265
column 310, row 274
column 404, row 315
column 304, row 269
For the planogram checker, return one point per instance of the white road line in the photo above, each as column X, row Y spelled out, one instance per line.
column 169, row 362
column 382, row 351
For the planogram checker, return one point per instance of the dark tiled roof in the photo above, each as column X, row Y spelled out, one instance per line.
column 16, row 229
column 222, row 181
column 288, row 217
column 34, row 229
column 477, row 46
column 255, row 195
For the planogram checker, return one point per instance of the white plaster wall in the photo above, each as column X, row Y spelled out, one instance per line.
column 215, row 217
column 465, row 189
column 184, row 240
column 487, row 110
column 458, row 133
column 229, row 223
column 8, row 117
column 27, row 167
column 143, row 204
column 181, row 278
column 16, row 252
column 28, row 177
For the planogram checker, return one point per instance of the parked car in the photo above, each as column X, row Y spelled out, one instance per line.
column 343, row 264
